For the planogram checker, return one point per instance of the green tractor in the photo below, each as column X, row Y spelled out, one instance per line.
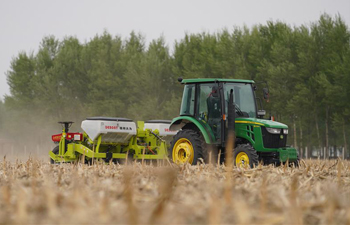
column 211, row 109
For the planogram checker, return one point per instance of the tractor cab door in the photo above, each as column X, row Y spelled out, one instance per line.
column 209, row 108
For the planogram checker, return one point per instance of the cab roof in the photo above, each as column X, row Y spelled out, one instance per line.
column 212, row 80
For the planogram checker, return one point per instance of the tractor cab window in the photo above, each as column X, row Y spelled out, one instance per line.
column 209, row 107
column 243, row 98
column 187, row 105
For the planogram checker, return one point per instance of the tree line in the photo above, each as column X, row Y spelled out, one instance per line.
column 307, row 69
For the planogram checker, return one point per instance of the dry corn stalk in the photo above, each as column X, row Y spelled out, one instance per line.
column 37, row 192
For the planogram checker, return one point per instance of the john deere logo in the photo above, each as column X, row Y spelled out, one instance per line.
column 281, row 136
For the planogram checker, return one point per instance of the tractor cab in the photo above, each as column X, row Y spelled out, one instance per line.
column 207, row 102
column 205, row 114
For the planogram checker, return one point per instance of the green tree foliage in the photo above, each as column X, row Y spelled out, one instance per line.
column 307, row 69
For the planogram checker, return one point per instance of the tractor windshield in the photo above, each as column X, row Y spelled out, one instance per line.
column 187, row 105
column 243, row 99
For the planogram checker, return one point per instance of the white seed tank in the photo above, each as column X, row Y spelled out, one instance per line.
column 163, row 127
column 111, row 129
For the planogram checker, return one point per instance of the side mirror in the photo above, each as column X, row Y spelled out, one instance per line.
column 266, row 93
column 261, row 113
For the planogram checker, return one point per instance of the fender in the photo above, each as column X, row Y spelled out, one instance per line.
column 181, row 121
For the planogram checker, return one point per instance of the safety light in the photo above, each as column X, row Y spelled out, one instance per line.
column 56, row 137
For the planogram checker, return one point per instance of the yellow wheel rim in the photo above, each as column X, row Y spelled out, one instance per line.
column 183, row 151
column 242, row 160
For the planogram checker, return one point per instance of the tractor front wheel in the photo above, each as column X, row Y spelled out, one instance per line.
column 55, row 151
column 245, row 156
column 187, row 146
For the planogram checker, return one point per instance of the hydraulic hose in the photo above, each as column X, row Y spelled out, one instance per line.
column 156, row 136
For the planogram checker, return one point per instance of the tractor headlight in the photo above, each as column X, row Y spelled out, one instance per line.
column 273, row 130
column 285, row 131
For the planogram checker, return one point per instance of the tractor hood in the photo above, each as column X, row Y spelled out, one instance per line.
column 261, row 122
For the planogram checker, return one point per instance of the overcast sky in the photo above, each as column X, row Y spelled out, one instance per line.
column 24, row 23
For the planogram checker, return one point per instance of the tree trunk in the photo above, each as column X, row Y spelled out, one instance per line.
column 295, row 133
column 318, row 137
column 327, row 143
column 301, row 140
column 307, row 146
column 306, row 152
column 345, row 144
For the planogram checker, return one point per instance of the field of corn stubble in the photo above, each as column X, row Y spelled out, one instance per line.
column 37, row 192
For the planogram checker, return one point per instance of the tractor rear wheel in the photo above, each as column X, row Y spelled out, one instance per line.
column 245, row 156
column 188, row 146
column 55, row 151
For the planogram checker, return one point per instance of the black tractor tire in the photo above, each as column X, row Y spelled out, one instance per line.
column 295, row 163
column 248, row 151
column 197, row 142
column 55, row 151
